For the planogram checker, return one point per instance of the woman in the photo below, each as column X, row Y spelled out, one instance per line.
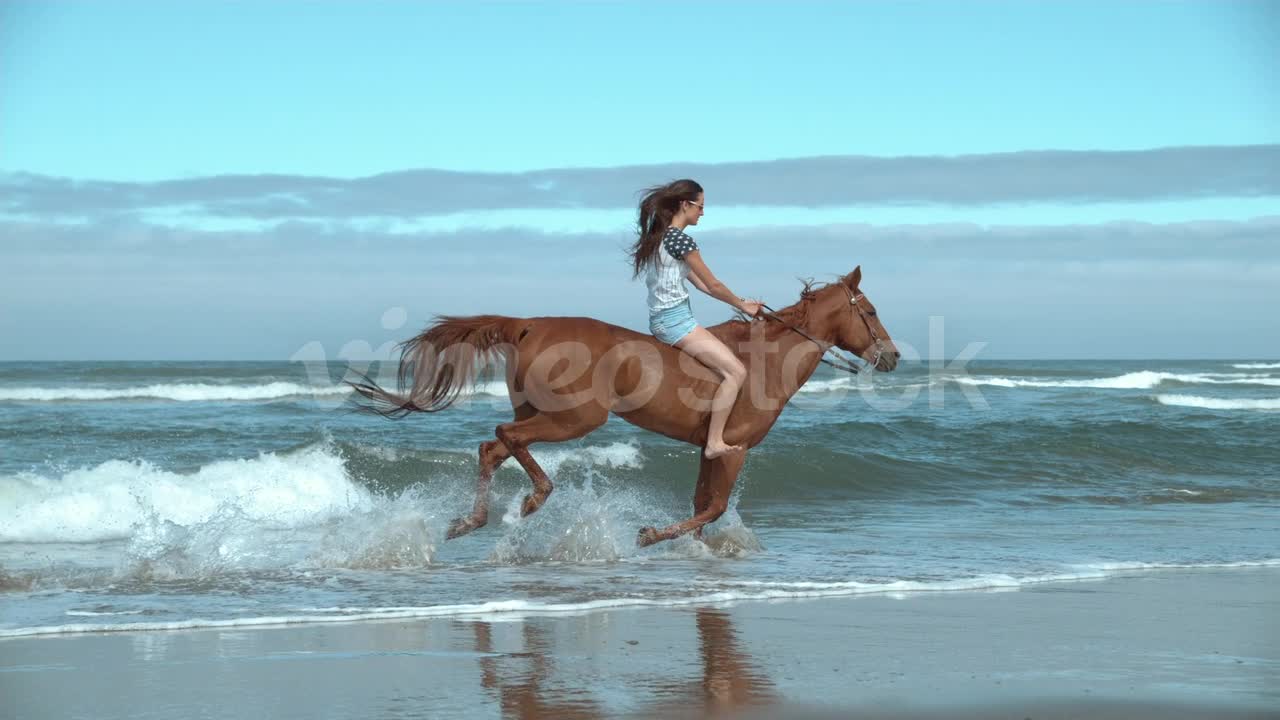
column 666, row 256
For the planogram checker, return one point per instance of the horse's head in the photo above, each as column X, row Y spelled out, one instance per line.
column 855, row 325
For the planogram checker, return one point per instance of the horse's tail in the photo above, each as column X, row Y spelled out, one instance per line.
column 436, row 365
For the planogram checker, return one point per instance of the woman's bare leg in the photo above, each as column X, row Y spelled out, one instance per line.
column 708, row 350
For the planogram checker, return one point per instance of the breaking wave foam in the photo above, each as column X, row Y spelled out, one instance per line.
column 110, row 500
column 123, row 499
column 1142, row 380
column 1257, row 366
column 613, row 455
column 178, row 392
column 822, row 386
column 1208, row 403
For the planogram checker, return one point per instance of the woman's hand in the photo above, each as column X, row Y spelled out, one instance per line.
column 750, row 307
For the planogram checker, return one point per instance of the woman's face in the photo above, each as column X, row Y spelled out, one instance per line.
column 693, row 209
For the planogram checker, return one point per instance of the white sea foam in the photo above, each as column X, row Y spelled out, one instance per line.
column 583, row 524
column 486, row 393
column 1141, row 380
column 747, row 591
column 834, row 385
column 179, row 392
column 1112, row 567
column 395, row 533
column 1257, row 366
column 613, row 455
column 493, row 388
column 1208, row 403
column 90, row 613
column 1079, row 571
column 111, row 500
column 1228, row 379
column 156, row 508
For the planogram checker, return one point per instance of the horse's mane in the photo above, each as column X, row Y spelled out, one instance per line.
column 796, row 314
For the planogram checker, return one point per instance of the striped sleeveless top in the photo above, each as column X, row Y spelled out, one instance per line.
column 668, row 270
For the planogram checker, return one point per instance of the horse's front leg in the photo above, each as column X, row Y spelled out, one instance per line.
column 711, row 498
column 702, row 491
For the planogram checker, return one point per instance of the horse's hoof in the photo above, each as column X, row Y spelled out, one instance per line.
column 647, row 537
column 459, row 527
column 529, row 506
column 463, row 525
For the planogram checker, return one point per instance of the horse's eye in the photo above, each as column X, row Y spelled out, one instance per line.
column 872, row 313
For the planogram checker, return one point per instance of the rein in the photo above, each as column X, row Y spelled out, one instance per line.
column 842, row 363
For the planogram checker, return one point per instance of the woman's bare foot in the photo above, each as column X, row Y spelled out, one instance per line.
column 715, row 450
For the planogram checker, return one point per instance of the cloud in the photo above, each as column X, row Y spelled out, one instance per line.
column 1018, row 177
column 116, row 289
column 337, row 243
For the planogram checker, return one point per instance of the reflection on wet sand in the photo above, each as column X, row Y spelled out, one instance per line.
column 730, row 679
column 525, row 685
column 520, row 681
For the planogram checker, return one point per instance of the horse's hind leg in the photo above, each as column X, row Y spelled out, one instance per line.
column 546, row 427
column 492, row 453
column 723, row 472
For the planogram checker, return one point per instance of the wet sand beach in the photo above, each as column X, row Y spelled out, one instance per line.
column 1158, row 643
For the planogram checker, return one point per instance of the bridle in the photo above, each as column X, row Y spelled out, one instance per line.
column 842, row 363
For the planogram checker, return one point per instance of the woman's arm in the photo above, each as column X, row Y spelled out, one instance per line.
column 706, row 281
column 697, row 281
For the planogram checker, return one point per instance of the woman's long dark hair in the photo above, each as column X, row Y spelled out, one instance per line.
column 658, row 206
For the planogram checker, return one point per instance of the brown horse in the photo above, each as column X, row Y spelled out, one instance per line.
column 565, row 375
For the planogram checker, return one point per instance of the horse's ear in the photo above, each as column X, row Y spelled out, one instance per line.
column 853, row 278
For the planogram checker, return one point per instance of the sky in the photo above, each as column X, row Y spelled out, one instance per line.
column 199, row 180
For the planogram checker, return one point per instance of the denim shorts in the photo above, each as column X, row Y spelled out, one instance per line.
column 672, row 324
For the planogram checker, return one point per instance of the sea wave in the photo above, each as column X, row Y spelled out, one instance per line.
column 91, row 613
column 721, row 592
column 123, row 499
column 333, row 481
column 1141, row 380
column 479, row 392
column 178, row 392
column 1080, row 571
column 1120, row 566
column 111, row 500
column 1208, row 403
column 1257, row 366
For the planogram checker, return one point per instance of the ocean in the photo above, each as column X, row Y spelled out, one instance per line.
column 156, row 495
